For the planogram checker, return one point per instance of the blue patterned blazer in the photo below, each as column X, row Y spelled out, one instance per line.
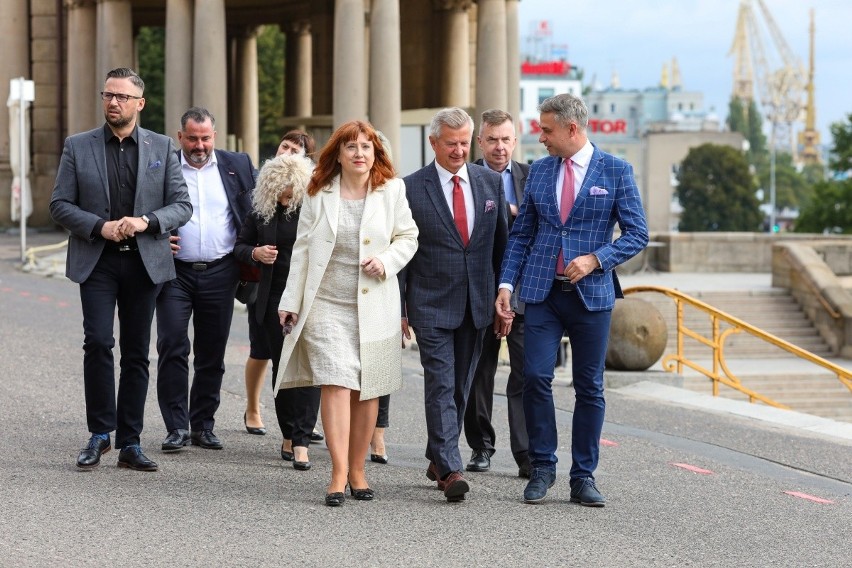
column 607, row 196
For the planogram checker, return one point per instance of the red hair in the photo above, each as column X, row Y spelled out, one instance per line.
column 328, row 166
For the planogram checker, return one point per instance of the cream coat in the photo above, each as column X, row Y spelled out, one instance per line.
column 389, row 233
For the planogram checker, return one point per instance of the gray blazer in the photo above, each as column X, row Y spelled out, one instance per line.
column 444, row 276
column 81, row 198
column 519, row 180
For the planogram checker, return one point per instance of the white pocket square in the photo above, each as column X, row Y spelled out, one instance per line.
column 598, row 191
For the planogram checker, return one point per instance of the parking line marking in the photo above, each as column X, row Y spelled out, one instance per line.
column 813, row 498
column 692, row 468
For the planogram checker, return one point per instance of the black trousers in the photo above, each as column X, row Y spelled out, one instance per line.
column 383, row 417
column 478, row 429
column 119, row 279
column 208, row 297
column 296, row 408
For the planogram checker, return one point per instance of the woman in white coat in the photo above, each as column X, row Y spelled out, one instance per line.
column 341, row 304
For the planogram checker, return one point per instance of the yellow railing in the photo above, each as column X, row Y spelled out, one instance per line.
column 31, row 254
column 720, row 373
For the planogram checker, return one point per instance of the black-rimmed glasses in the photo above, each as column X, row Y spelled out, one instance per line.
column 120, row 97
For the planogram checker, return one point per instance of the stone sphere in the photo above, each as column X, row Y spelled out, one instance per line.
column 637, row 335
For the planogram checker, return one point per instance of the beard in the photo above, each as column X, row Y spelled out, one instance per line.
column 198, row 158
column 118, row 121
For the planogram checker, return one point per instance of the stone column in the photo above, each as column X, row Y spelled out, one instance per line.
column 249, row 131
column 491, row 63
column 15, row 62
column 385, row 73
column 513, row 70
column 210, row 63
column 350, row 81
column 178, row 91
column 302, row 78
column 453, row 44
column 82, row 102
column 114, row 37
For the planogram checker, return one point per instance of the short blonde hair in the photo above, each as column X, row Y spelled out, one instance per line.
column 277, row 175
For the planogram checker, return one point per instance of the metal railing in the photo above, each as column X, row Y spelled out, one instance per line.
column 31, row 254
column 720, row 373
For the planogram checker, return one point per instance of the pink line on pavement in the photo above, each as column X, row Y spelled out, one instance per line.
column 692, row 468
column 605, row 442
column 809, row 497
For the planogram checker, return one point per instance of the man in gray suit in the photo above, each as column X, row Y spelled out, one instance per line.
column 119, row 192
column 460, row 210
column 497, row 140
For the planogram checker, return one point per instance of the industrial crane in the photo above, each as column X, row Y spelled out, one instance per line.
column 780, row 88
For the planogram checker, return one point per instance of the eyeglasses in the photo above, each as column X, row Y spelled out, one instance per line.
column 120, row 97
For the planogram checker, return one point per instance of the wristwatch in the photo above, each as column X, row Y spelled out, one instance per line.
column 146, row 219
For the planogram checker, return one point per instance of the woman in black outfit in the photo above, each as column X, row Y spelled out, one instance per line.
column 266, row 241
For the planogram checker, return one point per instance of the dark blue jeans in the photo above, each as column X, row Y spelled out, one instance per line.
column 588, row 332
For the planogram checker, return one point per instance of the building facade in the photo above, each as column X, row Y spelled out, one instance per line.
column 344, row 60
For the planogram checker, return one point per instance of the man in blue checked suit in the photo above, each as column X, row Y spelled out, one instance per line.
column 562, row 255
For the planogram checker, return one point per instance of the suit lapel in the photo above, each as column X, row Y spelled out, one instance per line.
column 99, row 158
column 592, row 175
column 436, row 194
column 550, row 189
column 477, row 188
column 371, row 204
column 142, row 168
column 518, row 180
column 229, row 179
column 330, row 200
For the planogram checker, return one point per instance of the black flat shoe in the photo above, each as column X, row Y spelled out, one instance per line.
column 362, row 494
column 334, row 499
column 287, row 456
column 252, row 430
column 316, row 436
column 301, row 466
column 379, row 458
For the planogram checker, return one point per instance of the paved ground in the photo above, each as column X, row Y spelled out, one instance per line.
column 693, row 482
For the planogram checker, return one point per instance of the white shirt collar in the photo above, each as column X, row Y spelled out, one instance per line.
column 583, row 155
column 446, row 177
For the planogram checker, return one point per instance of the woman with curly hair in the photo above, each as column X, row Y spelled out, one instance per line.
column 266, row 241
column 342, row 299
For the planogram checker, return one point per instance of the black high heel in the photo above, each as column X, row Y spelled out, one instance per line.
column 287, row 456
column 253, row 430
column 379, row 458
column 335, row 499
column 362, row 494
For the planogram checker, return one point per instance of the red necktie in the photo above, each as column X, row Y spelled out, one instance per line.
column 564, row 208
column 459, row 212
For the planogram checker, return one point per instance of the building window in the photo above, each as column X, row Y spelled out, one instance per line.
column 679, row 106
column 595, row 108
column 522, row 99
column 545, row 93
column 612, row 108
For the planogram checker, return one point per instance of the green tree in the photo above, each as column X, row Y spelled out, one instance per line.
column 270, row 83
column 841, row 154
column 717, row 191
column 151, row 47
column 791, row 187
column 830, row 211
column 745, row 119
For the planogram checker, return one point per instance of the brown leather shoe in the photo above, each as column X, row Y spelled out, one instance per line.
column 454, row 486
column 432, row 475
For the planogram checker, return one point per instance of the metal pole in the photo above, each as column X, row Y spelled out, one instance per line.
column 24, row 172
column 772, row 189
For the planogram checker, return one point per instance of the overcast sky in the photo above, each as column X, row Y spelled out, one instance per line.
column 636, row 37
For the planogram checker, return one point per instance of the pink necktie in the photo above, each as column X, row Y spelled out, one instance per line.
column 565, row 208
column 459, row 212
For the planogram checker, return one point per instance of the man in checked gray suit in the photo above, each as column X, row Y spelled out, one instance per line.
column 460, row 209
column 119, row 191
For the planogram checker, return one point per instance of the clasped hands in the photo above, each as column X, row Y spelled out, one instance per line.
column 123, row 228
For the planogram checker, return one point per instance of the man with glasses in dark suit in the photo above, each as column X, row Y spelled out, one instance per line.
column 119, row 192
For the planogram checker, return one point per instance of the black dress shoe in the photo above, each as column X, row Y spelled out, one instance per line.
column 176, row 440
column 362, row 494
column 524, row 470
column 252, row 430
column 90, row 456
column 480, row 460
column 379, row 458
column 132, row 457
column 301, row 466
column 206, row 439
column 335, row 499
column 287, row 456
column 316, row 436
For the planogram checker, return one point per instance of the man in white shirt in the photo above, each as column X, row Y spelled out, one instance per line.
column 220, row 185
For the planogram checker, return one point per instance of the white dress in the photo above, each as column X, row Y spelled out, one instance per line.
column 330, row 335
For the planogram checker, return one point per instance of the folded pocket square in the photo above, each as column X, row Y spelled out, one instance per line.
column 598, row 191
column 155, row 165
column 489, row 205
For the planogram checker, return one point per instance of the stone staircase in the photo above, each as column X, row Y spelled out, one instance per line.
column 759, row 365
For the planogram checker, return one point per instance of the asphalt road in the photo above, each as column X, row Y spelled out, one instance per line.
column 758, row 502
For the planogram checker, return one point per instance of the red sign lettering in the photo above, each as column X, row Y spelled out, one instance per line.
column 596, row 126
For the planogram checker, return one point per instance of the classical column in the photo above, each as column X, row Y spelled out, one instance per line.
column 350, row 81
column 302, row 79
column 210, row 63
column 82, row 99
column 513, row 70
column 249, row 131
column 491, row 64
column 178, row 88
column 114, row 37
column 453, row 44
column 15, row 62
column 385, row 73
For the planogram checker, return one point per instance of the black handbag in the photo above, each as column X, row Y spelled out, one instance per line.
column 247, row 287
